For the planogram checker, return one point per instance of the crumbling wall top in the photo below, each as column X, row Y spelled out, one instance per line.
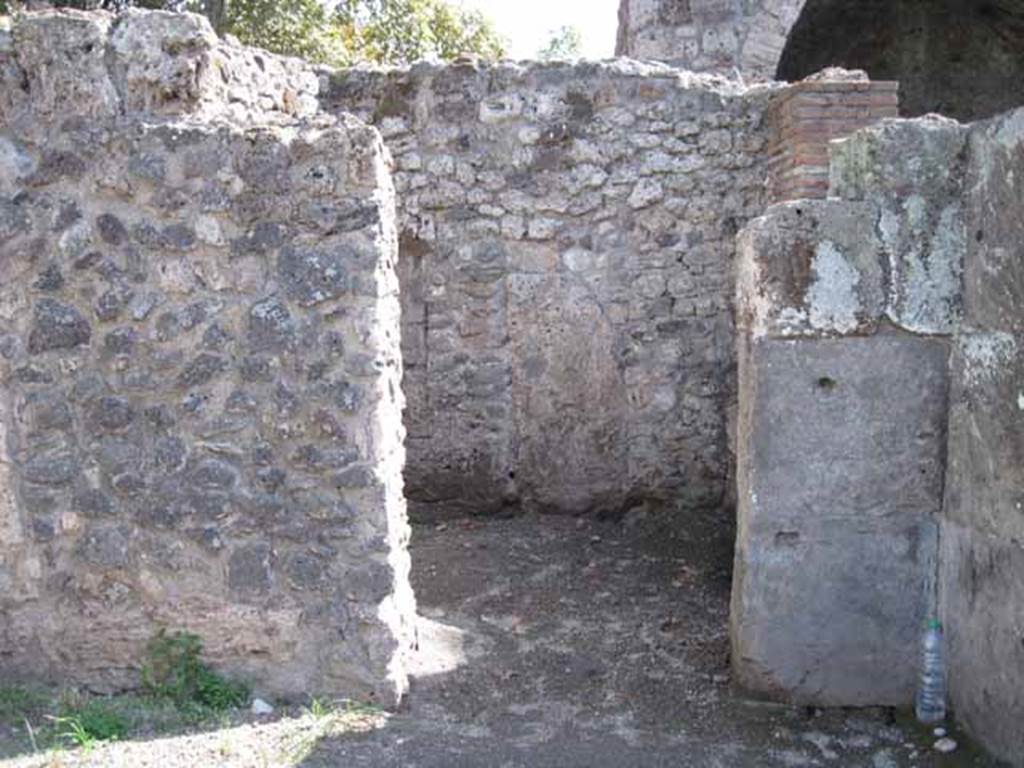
column 60, row 64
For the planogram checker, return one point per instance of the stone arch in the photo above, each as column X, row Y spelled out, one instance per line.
column 961, row 58
column 764, row 35
column 709, row 35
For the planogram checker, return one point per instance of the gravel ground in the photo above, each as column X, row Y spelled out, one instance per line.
column 550, row 641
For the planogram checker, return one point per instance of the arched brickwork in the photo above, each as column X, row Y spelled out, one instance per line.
column 709, row 35
column 961, row 58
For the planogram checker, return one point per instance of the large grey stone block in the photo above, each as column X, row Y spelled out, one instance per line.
column 983, row 612
column 840, row 462
column 994, row 272
column 982, row 576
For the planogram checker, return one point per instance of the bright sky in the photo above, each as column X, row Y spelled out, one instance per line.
column 527, row 24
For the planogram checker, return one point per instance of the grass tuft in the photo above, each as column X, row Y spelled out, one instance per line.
column 93, row 722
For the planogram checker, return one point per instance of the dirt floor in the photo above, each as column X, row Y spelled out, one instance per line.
column 602, row 644
column 562, row 642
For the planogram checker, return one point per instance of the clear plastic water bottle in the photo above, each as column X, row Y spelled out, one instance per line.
column 930, row 703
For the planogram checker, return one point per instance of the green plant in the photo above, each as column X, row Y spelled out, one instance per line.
column 219, row 693
column 566, row 42
column 94, row 722
column 17, row 702
column 174, row 670
column 75, row 733
column 318, row 708
column 172, row 665
column 403, row 31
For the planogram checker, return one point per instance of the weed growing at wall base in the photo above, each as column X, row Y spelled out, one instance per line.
column 18, row 702
column 174, row 670
column 92, row 723
column 180, row 692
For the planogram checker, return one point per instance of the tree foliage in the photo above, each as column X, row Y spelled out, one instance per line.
column 352, row 31
column 401, row 31
column 301, row 28
column 565, row 43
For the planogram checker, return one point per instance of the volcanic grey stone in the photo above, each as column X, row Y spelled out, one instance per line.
column 111, row 229
column 55, row 469
column 56, row 165
column 310, row 276
column 57, row 325
column 111, row 414
column 305, row 570
column 203, row 369
column 270, row 325
column 50, row 279
column 50, row 412
column 840, row 454
column 130, row 484
column 93, row 503
column 105, row 547
column 265, row 237
column 214, row 474
column 249, row 568
column 171, row 454
column 121, row 341
column 108, row 306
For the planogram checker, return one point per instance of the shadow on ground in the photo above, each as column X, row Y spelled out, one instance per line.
column 550, row 641
column 572, row 642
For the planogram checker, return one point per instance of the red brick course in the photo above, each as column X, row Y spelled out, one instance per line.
column 810, row 114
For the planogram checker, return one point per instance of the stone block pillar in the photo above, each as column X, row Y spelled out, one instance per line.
column 982, row 577
column 840, row 465
column 847, row 307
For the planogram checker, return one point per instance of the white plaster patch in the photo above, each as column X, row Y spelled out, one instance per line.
column 889, row 228
column 917, row 213
column 1020, row 401
column 791, row 321
column 932, row 288
column 832, row 298
column 208, row 230
column 985, row 353
column 15, row 164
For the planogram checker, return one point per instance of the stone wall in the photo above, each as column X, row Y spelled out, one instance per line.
column 847, row 308
column 808, row 116
column 982, row 579
column 200, row 420
column 721, row 36
column 960, row 58
column 199, row 351
column 881, row 415
column 567, row 235
column 841, row 445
